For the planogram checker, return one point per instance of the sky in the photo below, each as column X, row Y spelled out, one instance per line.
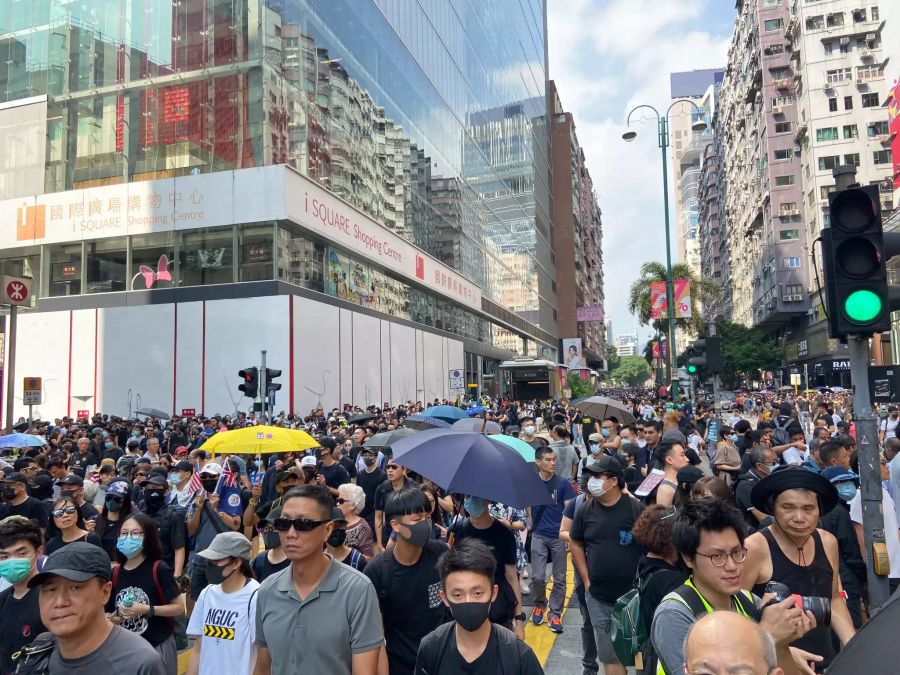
column 607, row 56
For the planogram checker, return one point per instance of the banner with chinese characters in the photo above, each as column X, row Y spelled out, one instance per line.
column 658, row 309
column 682, row 298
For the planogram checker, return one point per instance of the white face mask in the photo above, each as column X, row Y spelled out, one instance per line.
column 528, row 431
column 595, row 486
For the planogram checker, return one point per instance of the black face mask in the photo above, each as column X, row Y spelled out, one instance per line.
column 271, row 540
column 210, row 484
column 154, row 499
column 9, row 493
column 470, row 615
column 369, row 461
column 214, row 573
column 337, row 537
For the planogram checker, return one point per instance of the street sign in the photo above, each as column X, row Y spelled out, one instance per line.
column 884, row 384
column 31, row 391
column 457, row 383
column 83, row 414
column 795, row 379
column 188, row 412
column 16, row 291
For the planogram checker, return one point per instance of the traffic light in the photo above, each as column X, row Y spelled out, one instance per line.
column 855, row 252
column 705, row 356
column 250, row 377
column 271, row 374
column 696, row 361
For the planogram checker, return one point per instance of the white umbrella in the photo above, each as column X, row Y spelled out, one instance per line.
column 601, row 407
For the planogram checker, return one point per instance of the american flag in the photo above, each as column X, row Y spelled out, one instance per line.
column 196, row 484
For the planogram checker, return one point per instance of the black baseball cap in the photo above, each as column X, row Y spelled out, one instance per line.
column 15, row 477
column 78, row 561
column 72, row 479
column 606, row 466
column 133, row 443
column 183, row 465
column 154, row 480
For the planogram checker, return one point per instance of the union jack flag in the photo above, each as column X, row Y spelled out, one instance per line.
column 229, row 477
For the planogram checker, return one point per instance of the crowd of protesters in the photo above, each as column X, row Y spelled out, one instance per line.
column 118, row 548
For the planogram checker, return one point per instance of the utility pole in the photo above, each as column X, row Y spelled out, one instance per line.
column 11, row 366
column 263, row 396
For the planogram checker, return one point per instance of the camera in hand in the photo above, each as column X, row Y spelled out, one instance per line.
column 820, row 607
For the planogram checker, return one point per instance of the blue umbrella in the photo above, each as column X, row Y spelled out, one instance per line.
column 470, row 463
column 423, row 422
column 21, row 441
column 471, row 411
column 448, row 413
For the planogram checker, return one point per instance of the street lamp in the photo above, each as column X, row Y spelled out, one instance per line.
column 663, row 137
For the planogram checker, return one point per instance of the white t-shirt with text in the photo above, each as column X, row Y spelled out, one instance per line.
column 226, row 626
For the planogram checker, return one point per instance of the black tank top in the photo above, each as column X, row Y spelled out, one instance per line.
column 812, row 580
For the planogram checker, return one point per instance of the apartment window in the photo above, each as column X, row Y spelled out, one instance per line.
column 829, row 162
column 782, row 127
column 852, row 159
column 788, row 235
column 826, row 134
column 784, row 181
column 774, row 24
column 788, row 208
column 872, row 72
column 773, row 50
column 839, row 75
column 859, row 15
column 785, row 153
column 835, row 20
column 848, row 103
column 780, row 73
column 806, row 171
column 877, row 129
column 832, row 105
column 793, row 289
column 850, row 131
column 815, row 22
column 870, row 100
column 791, row 263
column 772, row 3
column 783, row 100
column 874, row 13
column 825, row 190
column 826, row 220
column 811, row 198
column 881, row 157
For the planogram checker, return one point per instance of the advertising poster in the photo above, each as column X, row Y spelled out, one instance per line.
column 573, row 357
column 682, row 291
column 658, row 309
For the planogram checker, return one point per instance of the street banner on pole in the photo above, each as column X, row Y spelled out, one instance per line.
column 658, row 304
column 682, row 298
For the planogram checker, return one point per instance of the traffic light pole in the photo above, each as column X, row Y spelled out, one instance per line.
column 869, row 469
column 262, row 394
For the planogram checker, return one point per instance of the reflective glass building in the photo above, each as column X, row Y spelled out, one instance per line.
column 428, row 118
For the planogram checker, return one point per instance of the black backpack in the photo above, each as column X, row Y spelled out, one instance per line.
column 34, row 659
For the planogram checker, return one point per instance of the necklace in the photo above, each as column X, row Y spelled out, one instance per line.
column 801, row 556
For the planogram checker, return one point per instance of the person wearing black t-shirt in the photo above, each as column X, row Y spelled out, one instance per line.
column 396, row 480
column 273, row 558
column 471, row 644
column 18, row 503
column 84, row 457
column 171, row 525
column 145, row 597
column 20, row 614
column 406, row 579
column 369, row 479
column 330, row 473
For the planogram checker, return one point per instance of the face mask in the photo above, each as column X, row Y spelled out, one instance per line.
column 154, row 499
column 528, row 431
column 470, row 615
column 474, row 506
column 271, row 540
column 174, row 477
column 15, row 570
column 733, row 438
column 605, row 433
column 846, row 490
column 595, row 448
column 134, row 434
column 68, row 494
column 210, row 484
column 108, row 444
column 369, row 461
column 214, row 573
column 9, row 493
column 337, row 537
column 774, row 466
column 595, row 486
column 419, row 533
column 113, row 505
column 129, row 546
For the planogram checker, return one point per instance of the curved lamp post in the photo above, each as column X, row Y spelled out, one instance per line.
column 662, row 122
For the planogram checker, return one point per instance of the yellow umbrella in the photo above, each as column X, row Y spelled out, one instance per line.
column 251, row 440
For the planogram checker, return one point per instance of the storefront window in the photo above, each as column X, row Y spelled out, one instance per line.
column 256, row 256
column 301, row 261
column 107, row 265
column 206, row 257
column 63, row 269
column 151, row 261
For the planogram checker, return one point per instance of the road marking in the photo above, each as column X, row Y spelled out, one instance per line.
column 540, row 638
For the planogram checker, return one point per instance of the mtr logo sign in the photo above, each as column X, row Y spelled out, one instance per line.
column 31, row 222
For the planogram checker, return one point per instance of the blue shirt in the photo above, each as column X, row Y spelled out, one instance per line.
column 551, row 514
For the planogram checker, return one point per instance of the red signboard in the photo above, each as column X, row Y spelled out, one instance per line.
column 83, row 414
column 188, row 412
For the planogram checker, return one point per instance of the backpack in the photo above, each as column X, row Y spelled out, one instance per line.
column 627, row 631
column 779, row 433
column 508, row 656
column 34, row 659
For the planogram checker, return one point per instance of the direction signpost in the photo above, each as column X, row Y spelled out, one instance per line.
column 14, row 291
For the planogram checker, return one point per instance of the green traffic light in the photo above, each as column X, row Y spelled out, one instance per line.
column 862, row 306
column 692, row 369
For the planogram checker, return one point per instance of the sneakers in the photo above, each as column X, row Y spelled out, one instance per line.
column 555, row 624
column 537, row 616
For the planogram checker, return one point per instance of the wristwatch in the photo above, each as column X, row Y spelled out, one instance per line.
column 520, row 617
column 151, row 612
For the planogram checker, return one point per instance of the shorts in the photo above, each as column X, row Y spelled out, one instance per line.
column 600, row 613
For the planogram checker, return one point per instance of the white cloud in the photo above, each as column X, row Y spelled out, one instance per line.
column 607, row 56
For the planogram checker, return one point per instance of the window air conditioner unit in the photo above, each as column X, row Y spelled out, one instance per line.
column 860, row 80
column 777, row 109
column 865, row 54
column 845, row 40
column 870, row 37
column 828, row 85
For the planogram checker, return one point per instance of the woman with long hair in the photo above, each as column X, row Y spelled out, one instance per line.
column 116, row 507
column 69, row 526
column 145, row 597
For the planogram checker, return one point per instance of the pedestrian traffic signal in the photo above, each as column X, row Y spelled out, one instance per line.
column 250, row 377
column 271, row 374
column 855, row 253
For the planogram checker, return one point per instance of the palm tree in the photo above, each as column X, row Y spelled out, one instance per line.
column 703, row 291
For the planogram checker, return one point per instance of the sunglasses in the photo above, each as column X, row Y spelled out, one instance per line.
column 67, row 511
column 299, row 524
column 115, row 498
column 340, row 501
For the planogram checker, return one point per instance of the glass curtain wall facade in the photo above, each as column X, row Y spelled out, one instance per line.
column 429, row 116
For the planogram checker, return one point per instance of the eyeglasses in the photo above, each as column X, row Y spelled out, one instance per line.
column 65, row 511
column 720, row 558
column 134, row 534
column 299, row 524
column 115, row 498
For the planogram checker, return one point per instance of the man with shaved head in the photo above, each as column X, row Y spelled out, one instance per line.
column 726, row 643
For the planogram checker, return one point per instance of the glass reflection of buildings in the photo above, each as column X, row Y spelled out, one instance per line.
column 445, row 147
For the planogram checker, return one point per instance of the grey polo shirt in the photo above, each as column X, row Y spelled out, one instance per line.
column 320, row 633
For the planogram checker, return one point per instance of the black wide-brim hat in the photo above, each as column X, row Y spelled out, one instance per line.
column 763, row 494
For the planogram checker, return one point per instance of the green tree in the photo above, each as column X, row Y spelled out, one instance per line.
column 705, row 291
column 613, row 360
column 745, row 351
column 579, row 387
column 634, row 371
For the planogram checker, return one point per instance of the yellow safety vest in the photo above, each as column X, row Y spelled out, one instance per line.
column 735, row 600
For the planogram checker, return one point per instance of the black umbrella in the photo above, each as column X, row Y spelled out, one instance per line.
column 361, row 418
column 423, row 422
column 387, row 438
column 873, row 648
column 154, row 412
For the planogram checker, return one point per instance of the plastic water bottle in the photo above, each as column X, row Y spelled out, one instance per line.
column 128, row 599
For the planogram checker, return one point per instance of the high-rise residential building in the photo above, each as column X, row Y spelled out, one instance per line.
column 361, row 187
column 578, row 233
column 626, row 344
column 804, row 92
